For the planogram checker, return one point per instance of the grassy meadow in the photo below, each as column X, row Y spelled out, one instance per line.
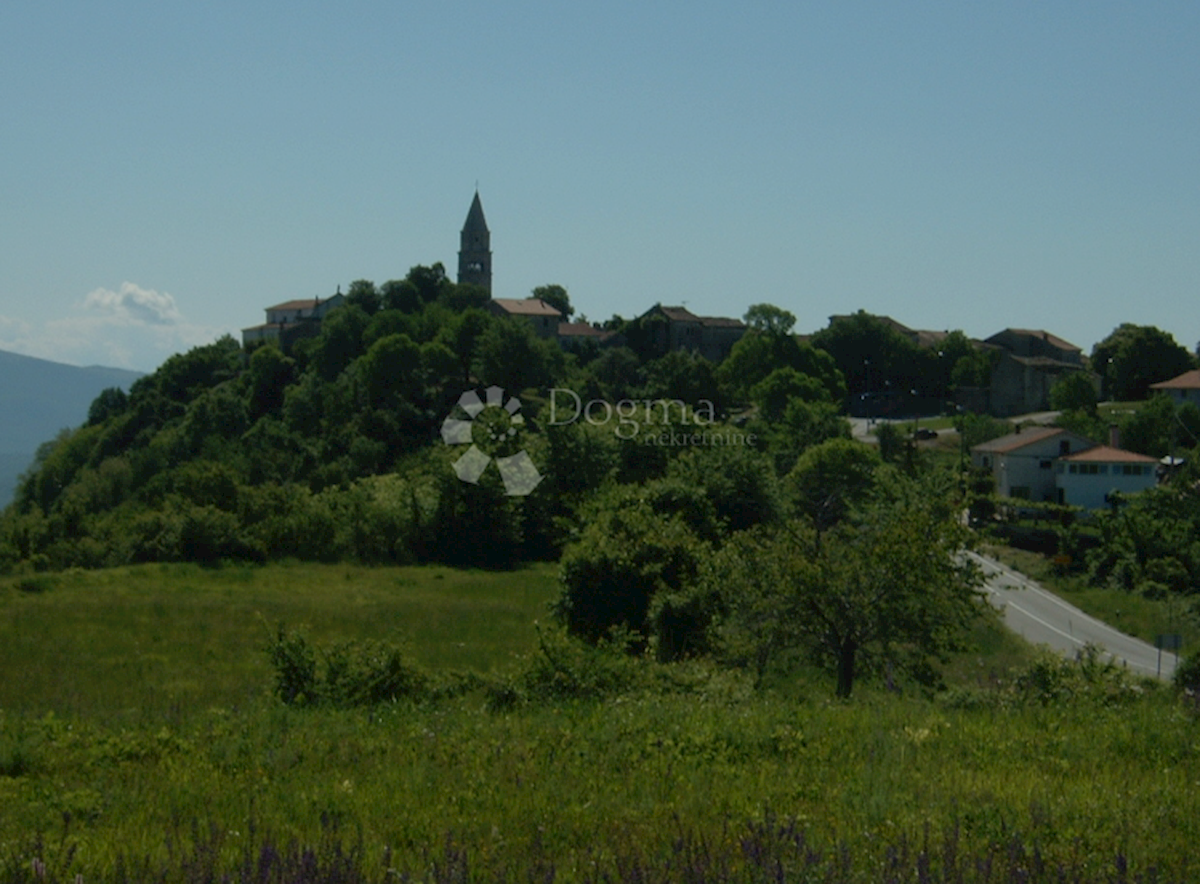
column 140, row 740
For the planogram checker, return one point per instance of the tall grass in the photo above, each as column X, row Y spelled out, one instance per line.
column 700, row 779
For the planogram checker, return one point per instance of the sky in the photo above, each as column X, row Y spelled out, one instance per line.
column 170, row 169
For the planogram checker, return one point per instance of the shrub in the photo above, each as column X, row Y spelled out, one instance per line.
column 347, row 674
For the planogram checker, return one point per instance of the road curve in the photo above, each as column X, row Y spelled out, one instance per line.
column 1044, row 618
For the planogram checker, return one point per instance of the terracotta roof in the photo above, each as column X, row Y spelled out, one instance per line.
column 1043, row 335
column 302, row 304
column 1189, row 380
column 1015, row 441
column 679, row 314
column 525, row 306
column 581, row 330
column 1108, row 454
column 721, row 321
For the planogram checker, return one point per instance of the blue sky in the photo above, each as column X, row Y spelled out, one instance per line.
column 170, row 169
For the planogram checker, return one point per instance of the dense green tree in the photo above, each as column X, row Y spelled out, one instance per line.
column 270, row 374
column 400, row 294
column 340, row 341
column 773, row 393
column 1135, row 356
column 758, row 353
column 627, row 553
column 460, row 335
column 509, row 354
column 1074, row 391
column 429, row 281
column 616, row 372
column 683, row 375
column 464, row 296
column 111, row 402
column 363, row 295
column 831, row 478
column 769, row 319
column 871, row 354
column 391, row 370
column 556, row 296
column 737, row 480
column 886, row 594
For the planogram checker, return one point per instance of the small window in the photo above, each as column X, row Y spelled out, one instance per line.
column 1019, row 491
column 1064, row 447
column 1045, row 464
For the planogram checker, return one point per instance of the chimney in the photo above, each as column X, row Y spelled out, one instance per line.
column 1114, row 436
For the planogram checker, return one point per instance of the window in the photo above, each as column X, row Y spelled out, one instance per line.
column 1019, row 491
column 1064, row 447
column 1045, row 464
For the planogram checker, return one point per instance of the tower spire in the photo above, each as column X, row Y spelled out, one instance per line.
column 475, row 250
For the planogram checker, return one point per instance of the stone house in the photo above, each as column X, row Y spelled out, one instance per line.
column 677, row 328
column 1028, row 364
column 291, row 321
column 544, row 318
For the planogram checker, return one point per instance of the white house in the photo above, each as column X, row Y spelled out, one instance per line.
column 1181, row 389
column 1086, row 479
column 1023, row 462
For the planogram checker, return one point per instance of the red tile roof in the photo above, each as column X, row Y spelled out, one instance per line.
column 525, row 306
column 302, row 304
column 1189, row 380
column 1108, row 454
column 1015, row 441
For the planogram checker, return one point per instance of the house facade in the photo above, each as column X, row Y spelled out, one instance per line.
column 1023, row 463
column 291, row 321
column 1053, row 465
column 1028, row 364
column 1088, row 478
column 1181, row 389
column 544, row 318
column 677, row 328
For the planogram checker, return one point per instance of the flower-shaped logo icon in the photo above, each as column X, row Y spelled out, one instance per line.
column 495, row 423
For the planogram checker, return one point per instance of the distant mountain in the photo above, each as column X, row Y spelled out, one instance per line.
column 37, row 399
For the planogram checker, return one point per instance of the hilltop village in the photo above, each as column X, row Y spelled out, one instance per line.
column 1024, row 363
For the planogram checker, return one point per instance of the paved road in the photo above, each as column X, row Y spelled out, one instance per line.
column 1044, row 618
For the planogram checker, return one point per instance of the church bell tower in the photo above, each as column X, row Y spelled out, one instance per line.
column 475, row 249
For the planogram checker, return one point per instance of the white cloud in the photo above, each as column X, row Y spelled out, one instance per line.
column 133, row 304
column 131, row 327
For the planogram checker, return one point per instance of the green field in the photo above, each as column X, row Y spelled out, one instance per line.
column 139, row 739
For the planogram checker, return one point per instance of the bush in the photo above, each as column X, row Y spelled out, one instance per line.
column 348, row 674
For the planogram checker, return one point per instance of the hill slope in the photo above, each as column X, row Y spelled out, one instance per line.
column 38, row 398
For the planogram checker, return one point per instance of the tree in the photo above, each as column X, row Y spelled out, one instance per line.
column 773, row 393
column 758, row 353
column 1135, row 356
column 870, row 353
column 1074, row 392
column 556, row 296
column 511, row 355
column 461, row 334
column 769, row 319
column 888, row 593
column 111, row 402
column 829, row 479
column 363, row 294
column 270, row 374
column 391, row 369
column 429, row 281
